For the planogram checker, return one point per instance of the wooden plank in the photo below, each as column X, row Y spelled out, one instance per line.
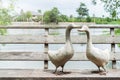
column 40, row 56
column 83, row 39
column 22, row 56
column 55, row 26
column 71, row 74
column 116, row 56
column 81, row 56
column 22, row 39
column 104, row 26
column 30, row 39
column 116, row 39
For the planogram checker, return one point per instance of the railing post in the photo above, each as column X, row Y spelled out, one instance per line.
column 113, row 49
column 46, row 48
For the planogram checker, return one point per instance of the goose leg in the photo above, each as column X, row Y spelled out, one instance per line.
column 55, row 70
column 98, row 68
column 103, row 73
column 62, row 69
column 104, row 68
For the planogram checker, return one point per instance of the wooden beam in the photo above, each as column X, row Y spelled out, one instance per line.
column 56, row 26
column 40, row 56
column 22, row 39
column 30, row 39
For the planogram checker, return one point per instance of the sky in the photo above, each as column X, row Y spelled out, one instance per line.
column 67, row 7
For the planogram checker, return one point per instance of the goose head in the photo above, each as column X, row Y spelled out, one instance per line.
column 84, row 28
column 70, row 26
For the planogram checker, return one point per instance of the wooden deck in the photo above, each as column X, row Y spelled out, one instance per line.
column 37, row 74
column 46, row 39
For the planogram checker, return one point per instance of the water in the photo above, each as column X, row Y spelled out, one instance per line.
column 40, row 48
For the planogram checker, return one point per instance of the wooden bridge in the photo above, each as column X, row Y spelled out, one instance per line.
column 46, row 39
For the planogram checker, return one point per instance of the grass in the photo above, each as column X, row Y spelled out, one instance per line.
column 114, row 22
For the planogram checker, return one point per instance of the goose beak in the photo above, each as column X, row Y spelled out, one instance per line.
column 81, row 30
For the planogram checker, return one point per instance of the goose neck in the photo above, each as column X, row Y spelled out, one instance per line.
column 89, row 39
column 68, row 35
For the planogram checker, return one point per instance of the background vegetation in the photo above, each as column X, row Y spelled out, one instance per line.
column 6, row 15
column 55, row 16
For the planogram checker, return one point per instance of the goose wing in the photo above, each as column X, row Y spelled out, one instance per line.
column 57, row 54
column 102, row 55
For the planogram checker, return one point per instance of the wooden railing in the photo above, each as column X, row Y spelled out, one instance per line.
column 47, row 39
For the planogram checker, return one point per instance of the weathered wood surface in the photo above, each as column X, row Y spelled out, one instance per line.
column 40, row 56
column 30, row 74
column 30, row 39
column 56, row 26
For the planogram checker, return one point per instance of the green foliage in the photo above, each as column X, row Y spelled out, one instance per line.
column 52, row 16
column 71, row 18
column 39, row 11
column 46, row 18
column 5, row 17
column 117, row 31
column 94, row 2
column 24, row 16
column 114, row 14
column 108, row 19
column 28, row 15
column 4, row 20
column 112, row 6
column 88, row 19
column 82, row 10
column 6, row 14
column 63, row 18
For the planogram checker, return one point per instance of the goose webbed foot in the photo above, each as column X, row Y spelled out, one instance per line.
column 62, row 69
column 103, row 72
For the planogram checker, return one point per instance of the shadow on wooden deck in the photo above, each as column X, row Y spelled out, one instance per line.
column 37, row 74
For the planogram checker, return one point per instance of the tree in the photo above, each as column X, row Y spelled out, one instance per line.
column 63, row 18
column 22, row 16
column 114, row 14
column 82, row 10
column 52, row 16
column 94, row 2
column 88, row 19
column 71, row 18
column 39, row 11
column 28, row 15
column 5, row 15
column 111, row 6
column 46, row 16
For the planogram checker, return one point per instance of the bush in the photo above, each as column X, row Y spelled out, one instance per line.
column 108, row 19
column 88, row 19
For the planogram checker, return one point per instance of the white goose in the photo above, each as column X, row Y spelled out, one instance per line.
column 62, row 55
column 97, row 56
